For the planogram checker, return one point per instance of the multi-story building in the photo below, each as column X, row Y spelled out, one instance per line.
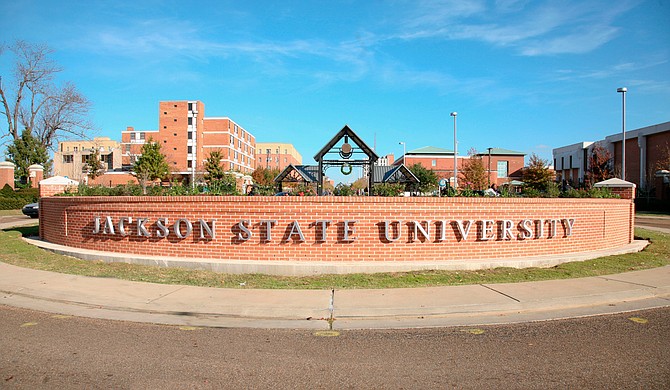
column 274, row 155
column 70, row 159
column 502, row 165
column 187, row 138
column 647, row 159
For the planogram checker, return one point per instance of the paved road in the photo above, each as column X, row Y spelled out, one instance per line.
column 657, row 222
column 42, row 350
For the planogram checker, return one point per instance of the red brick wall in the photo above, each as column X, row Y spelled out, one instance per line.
column 7, row 176
column 599, row 223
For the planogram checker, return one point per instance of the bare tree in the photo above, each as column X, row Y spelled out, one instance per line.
column 34, row 102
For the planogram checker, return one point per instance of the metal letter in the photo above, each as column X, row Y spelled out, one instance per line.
column 568, row 223
column 539, row 224
column 507, row 229
column 323, row 223
column 525, row 227
column 487, row 227
column 464, row 231
column 552, row 227
column 177, row 228
column 211, row 231
column 162, row 225
column 245, row 233
column 348, row 231
column 443, row 231
column 419, row 228
column 268, row 228
column 386, row 230
column 109, row 226
column 122, row 227
column 96, row 225
column 141, row 229
column 295, row 229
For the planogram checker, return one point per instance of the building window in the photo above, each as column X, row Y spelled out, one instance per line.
column 83, row 158
column 433, row 163
column 190, row 121
column 189, row 163
column 67, row 159
column 570, row 162
column 76, row 148
column 190, row 106
column 502, row 169
column 142, row 136
column 190, row 149
column 190, row 135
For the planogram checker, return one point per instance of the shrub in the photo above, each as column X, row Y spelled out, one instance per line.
column 389, row 189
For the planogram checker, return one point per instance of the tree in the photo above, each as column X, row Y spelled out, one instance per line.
column 360, row 185
column 33, row 101
column 264, row 176
column 94, row 167
column 537, row 175
column 474, row 172
column 427, row 178
column 26, row 151
column 599, row 165
column 213, row 167
column 151, row 165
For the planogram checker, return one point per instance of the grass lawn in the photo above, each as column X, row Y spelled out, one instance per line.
column 17, row 252
column 10, row 212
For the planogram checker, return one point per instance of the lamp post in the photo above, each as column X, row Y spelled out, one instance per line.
column 403, row 151
column 489, row 171
column 454, row 114
column 623, row 91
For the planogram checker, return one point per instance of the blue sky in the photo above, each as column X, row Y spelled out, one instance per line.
column 523, row 75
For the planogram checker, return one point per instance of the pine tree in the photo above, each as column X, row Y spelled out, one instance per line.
column 94, row 166
column 26, row 151
column 151, row 165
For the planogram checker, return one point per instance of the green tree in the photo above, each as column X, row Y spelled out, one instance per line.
column 26, row 151
column 151, row 165
column 427, row 178
column 538, row 176
column 474, row 172
column 214, row 167
column 94, row 167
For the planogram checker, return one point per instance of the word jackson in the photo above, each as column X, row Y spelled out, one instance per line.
column 393, row 230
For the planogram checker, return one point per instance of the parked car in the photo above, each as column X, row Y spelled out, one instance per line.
column 31, row 210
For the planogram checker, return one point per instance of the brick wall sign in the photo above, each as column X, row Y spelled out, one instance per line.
column 336, row 229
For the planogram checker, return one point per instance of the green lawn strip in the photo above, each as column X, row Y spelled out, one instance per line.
column 10, row 212
column 15, row 251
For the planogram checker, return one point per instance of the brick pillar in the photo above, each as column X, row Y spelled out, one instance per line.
column 35, row 175
column 6, row 174
column 626, row 190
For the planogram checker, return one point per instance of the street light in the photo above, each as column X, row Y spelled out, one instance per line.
column 403, row 152
column 623, row 91
column 489, row 175
column 455, row 152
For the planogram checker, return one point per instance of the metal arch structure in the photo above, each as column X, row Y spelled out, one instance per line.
column 297, row 174
column 343, row 154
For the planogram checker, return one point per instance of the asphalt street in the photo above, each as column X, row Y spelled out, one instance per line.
column 622, row 351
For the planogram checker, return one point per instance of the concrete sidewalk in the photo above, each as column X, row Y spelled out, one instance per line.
column 349, row 309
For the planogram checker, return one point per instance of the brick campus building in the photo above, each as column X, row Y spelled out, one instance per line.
column 187, row 137
column 647, row 159
column 502, row 166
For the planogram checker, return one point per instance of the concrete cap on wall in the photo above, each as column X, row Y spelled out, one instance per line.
column 36, row 167
column 614, row 183
column 7, row 165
